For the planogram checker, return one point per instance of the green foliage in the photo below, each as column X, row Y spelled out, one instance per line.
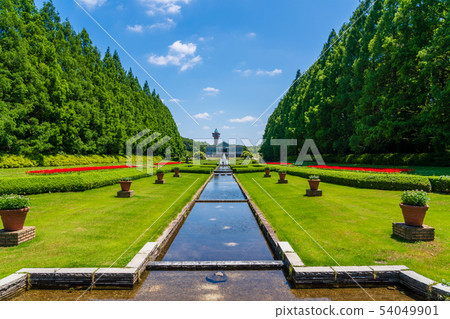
column 282, row 170
column 383, row 87
column 74, row 182
column 440, row 184
column 415, row 198
column 200, row 155
column 69, row 160
column 356, row 179
column 58, row 94
column 10, row 202
column 16, row 161
column 313, row 177
column 125, row 179
column 420, row 159
column 159, row 171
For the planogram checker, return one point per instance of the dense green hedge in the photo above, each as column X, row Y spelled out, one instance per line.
column 423, row 159
column 440, row 184
column 354, row 179
column 18, row 161
column 74, row 182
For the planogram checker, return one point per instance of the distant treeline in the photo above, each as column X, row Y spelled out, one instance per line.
column 383, row 87
column 58, row 95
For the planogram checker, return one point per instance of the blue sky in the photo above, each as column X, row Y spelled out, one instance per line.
column 224, row 61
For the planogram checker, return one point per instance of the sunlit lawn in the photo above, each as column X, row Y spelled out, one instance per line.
column 93, row 228
column 353, row 225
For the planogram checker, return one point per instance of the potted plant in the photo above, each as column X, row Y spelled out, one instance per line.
column 160, row 174
column 267, row 170
column 314, row 182
column 282, row 173
column 125, row 184
column 13, row 211
column 414, row 207
column 177, row 172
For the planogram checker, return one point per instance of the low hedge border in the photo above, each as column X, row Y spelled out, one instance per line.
column 76, row 182
column 19, row 161
column 355, row 179
column 421, row 159
column 440, row 184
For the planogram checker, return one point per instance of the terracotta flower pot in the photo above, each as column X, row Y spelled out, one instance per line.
column 282, row 176
column 314, row 184
column 125, row 185
column 160, row 176
column 14, row 219
column 177, row 172
column 413, row 215
column 267, row 171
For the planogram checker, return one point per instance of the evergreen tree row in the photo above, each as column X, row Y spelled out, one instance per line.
column 58, row 95
column 382, row 87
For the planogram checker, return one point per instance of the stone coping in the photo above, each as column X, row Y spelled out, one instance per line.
column 217, row 265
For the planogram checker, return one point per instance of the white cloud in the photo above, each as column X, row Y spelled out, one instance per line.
column 226, row 127
column 211, row 91
column 244, row 119
column 251, row 35
column 91, row 4
column 159, row 7
column 206, row 128
column 219, row 112
column 175, row 100
column 203, row 116
column 165, row 25
column 259, row 72
column 270, row 73
column 136, row 28
column 180, row 54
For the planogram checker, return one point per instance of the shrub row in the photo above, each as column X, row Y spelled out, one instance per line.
column 354, row 179
column 19, row 161
column 16, row 161
column 423, row 159
column 440, row 184
column 75, row 182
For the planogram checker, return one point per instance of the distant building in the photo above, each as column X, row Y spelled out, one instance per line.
column 217, row 149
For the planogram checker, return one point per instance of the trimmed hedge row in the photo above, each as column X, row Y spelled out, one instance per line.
column 440, row 184
column 76, row 182
column 354, row 179
column 19, row 161
column 423, row 159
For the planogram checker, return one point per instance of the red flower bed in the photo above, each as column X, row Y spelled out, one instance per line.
column 276, row 163
column 76, row 169
column 364, row 169
column 170, row 163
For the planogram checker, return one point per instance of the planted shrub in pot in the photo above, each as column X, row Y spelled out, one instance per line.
column 314, row 182
column 176, row 171
column 414, row 207
column 13, row 211
column 267, row 171
column 160, row 174
column 282, row 173
column 125, row 183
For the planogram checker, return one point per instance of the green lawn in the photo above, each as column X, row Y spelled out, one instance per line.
column 353, row 225
column 93, row 228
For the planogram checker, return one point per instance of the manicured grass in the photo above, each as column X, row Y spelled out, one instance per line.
column 353, row 225
column 93, row 228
